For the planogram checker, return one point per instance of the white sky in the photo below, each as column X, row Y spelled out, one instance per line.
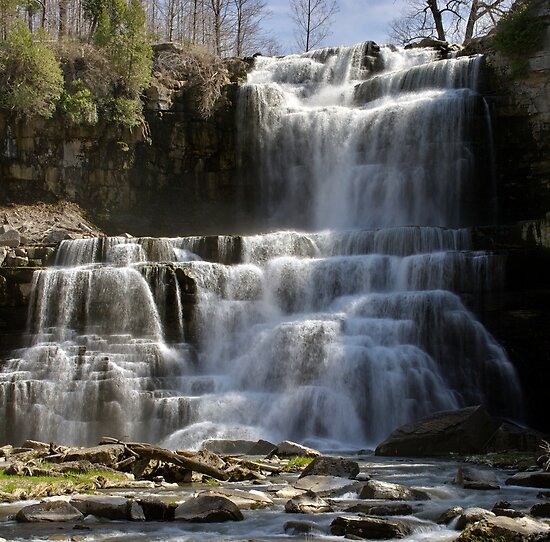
column 357, row 20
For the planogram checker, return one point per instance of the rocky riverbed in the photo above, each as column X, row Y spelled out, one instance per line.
column 136, row 491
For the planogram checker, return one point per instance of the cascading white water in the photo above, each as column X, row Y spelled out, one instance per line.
column 332, row 336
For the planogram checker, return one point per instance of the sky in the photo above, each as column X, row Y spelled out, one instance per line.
column 356, row 21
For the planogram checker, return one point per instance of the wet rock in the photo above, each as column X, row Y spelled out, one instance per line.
column 510, row 436
column 375, row 489
column 243, row 499
column 454, row 431
column 211, row 459
column 369, row 528
column 301, row 527
column 261, row 447
column 505, row 529
column 238, row 473
column 208, row 508
column 381, row 509
column 292, row 449
column 9, row 237
column 308, row 503
column 157, row 510
column 107, row 506
column 106, row 454
column 471, row 515
column 224, row 446
column 541, row 510
column 530, row 479
column 331, row 466
column 446, row 517
column 326, row 486
column 289, row 492
column 504, row 508
column 49, row 511
column 246, row 447
column 472, row 478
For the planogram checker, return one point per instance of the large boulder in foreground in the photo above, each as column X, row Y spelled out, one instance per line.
column 503, row 529
column 461, row 431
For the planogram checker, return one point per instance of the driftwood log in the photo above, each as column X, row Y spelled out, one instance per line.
column 151, row 452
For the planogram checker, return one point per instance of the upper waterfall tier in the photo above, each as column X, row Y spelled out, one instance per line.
column 353, row 137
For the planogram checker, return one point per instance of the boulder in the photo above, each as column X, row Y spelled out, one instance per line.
column 541, row 510
column 510, row 436
column 446, row 517
column 454, row 431
column 327, row 486
column 56, row 236
column 246, row 447
column 472, row 478
column 295, row 528
column 286, row 448
column 471, row 515
column 375, row 489
column 3, row 254
column 243, row 499
column 381, row 509
column 504, row 508
column 308, row 503
column 9, row 237
column 155, row 509
column 206, row 457
column 108, row 506
column 48, row 511
column 369, row 527
column 331, row 466
column 228, row 447
column 208, row 508
column 530, row 479
column 289, row 492
column 261, row 447
column 105, row 454
column 36, row 445
column 505, row 529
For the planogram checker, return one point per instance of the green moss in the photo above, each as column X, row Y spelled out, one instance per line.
column 521, row 461
column 519, row 34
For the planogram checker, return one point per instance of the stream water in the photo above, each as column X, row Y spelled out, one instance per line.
column 433, row 476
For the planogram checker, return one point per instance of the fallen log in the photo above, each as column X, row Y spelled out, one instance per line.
column 151, row 452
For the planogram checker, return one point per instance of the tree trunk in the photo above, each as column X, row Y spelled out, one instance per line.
column 62, row 17
column 308, row 31
column 438, row 19
column 469, row 32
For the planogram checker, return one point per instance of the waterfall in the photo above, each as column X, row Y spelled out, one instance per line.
column 340, row 321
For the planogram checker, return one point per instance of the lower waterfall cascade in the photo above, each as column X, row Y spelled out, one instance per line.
column 341, row 321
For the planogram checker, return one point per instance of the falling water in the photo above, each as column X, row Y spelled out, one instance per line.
column 344, row 322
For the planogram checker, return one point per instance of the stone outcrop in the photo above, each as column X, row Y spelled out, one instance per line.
column 48, row 511
column 208, row 508
column 369, row 528
column 456, row 431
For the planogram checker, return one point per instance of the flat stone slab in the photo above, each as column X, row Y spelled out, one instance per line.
column 48, row 511
column 107, row 506
column 327, row 486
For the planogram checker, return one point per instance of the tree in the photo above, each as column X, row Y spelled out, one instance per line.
column 450, row 20
column 30, row 77
column 312, row 20
column 248, row 15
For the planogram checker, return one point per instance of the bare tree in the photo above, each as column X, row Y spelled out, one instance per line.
column 456, row 20
column 248, row 15
column 312, row 20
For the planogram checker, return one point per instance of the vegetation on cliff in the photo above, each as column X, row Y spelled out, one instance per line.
column 519, row 34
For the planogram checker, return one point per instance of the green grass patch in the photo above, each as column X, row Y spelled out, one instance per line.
column 297, row 463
